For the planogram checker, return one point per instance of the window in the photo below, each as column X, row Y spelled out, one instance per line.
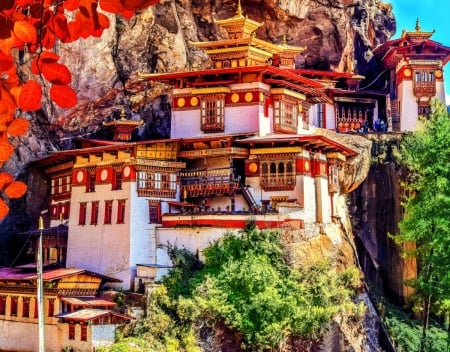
column 286, row 112
column 36, row 308
column 154, row 209
column 108, row 211
column 71, row 331
column 83, row 336
column 157, row 183
column 26, row 307
column 212, row 113
column 333, row 178
column 59, row 211
column 60, row 187
column 51, row 307
column 277, row 174
column 94, row 213
column 321, row 115
column 90, row 187
column 117, row 180
column 14, row 301
column 424, row 82
column 121, row 211
column 82, row 214
column 2, row 305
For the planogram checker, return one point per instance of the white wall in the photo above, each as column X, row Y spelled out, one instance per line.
column 18, row 336
column 102, row 248
column 408, row 106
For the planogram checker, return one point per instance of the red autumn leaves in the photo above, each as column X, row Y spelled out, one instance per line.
column 31, row 29
column 11, row 189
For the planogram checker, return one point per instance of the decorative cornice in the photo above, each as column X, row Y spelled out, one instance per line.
column 284, row 91
column 211, row 90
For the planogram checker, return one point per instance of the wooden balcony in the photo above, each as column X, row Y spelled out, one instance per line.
column 215, row 187
column 424, row 89
column 286, row 183
column 207, row 183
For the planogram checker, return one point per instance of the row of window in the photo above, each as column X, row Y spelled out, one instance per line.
column 108, row 212
column 157, row 184
column 83, row 331
column 14, row 311
column 60, row 185
column 424, row 76
column 287, row 113
column 116, row 183
column 278, row 174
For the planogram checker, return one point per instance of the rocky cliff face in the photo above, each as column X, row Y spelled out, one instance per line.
column 337, row 33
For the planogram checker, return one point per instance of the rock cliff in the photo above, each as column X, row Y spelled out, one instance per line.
column 338, row 34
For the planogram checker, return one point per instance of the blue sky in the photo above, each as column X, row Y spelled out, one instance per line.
column 432, row 14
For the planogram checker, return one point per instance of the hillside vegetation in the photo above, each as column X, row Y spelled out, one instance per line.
column 244, row 295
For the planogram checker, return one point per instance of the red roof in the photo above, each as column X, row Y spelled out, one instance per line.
column 88, row 314
column 270, row 74
column 316, row 141
column 88, row 301
column 20, row 274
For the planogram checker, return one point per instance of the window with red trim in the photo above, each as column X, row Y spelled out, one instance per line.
column 2, row 305
column 154, row 209
column 82, row 214
column 108, row 211
column 14, row 301
column 71, row 331
column 83, row 332
column 286, row 112
column 94, row 213
column 117, row 180
column 26, row 307
column 51, row 307
column 90, row 186
column 212, row 113
column 121, row 211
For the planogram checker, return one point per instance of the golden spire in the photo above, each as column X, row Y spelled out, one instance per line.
column 239, row 9
column 417, row 25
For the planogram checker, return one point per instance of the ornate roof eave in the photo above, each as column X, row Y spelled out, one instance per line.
column 307, row 141
column 229, row 44
column 280, row 77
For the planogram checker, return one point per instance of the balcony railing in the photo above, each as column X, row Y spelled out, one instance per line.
column 211, row 182
column 283, row 183
column 428, row 89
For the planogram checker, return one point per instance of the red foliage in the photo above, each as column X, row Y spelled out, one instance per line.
column 20, row 23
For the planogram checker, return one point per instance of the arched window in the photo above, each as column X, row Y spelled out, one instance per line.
column 277, row 174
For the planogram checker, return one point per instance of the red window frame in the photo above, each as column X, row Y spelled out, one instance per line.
column 26, row 307
column 82, row 214
column 121, row 211
column 71, row 331
column 108, row 212
column 94, row 212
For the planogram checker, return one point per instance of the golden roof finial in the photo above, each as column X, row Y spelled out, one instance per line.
column 284, row 40
column 239, row 9
column 417, row 25
column 123, row 115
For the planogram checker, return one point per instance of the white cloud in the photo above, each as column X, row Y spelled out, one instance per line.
column 447, row 99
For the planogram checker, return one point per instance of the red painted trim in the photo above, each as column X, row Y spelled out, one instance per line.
column 229, row 223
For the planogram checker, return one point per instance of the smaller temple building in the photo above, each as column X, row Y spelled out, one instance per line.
column 74, row 315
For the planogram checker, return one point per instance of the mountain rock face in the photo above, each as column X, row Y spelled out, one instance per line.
column 339, row 35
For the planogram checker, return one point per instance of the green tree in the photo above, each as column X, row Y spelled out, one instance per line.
column 248, row 286
column 426, row 154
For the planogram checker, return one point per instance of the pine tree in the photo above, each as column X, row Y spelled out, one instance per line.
column 426, row 154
